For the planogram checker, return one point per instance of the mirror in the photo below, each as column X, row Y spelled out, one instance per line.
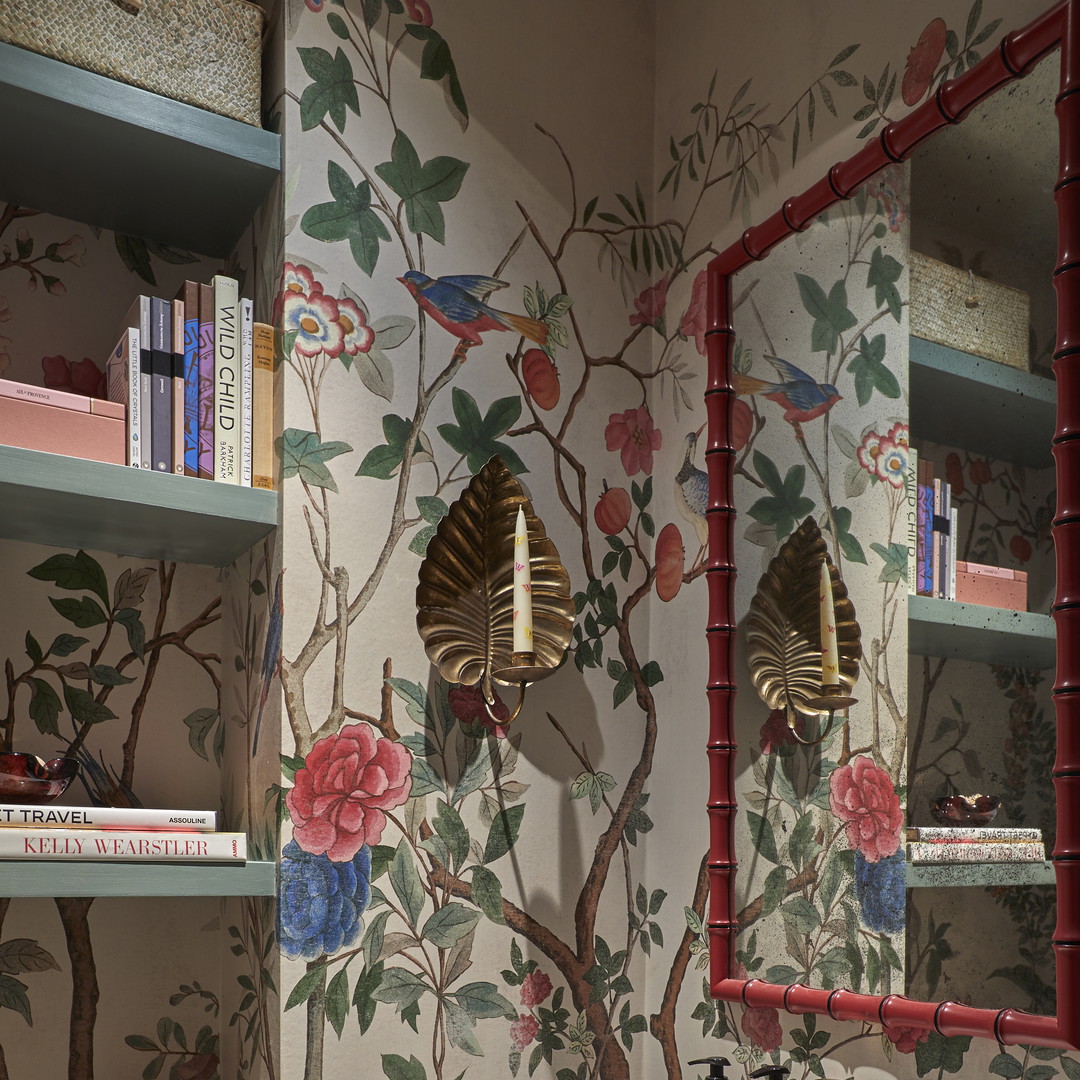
column 843, row 876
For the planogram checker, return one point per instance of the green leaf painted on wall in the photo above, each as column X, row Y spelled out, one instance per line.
column 44, row 707
column 436, row 63
column 849, row 543
column 406, row 882
column 74, row 573
column 303, row 454
column 476, row 436
column 487, row 893
column 333, row 89
column 382, row 462
column 447, row 926
column 13, row 996
column 349, row 217
column 401, row 988
column 785, row 504
column 830, row 312
column 200, row 724
column 895, row 560
column 363, row 999
column 882, row 277
column 503, row 833
column 337, row 1001
column 83, row 613
column 422, row 186
column 868, row 367
column 941, row 1053
column 449, row 825
column 761, row 832
column 83, row 708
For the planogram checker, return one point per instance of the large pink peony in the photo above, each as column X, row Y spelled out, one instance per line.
column 347, row 781
column 633, row 435
column 905, row 1039
column 523, row 1030
column 535, row 988
column 862, row 795
column 762, row 1028
column 650, row 304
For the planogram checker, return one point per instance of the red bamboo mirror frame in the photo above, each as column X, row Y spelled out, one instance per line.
column 1018, row 53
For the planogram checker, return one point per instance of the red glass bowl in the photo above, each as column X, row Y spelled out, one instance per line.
column 26, row 778
column 965, row 809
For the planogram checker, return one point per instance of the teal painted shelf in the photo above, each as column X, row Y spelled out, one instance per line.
column 984, row 635
column 19, row 877
column 73, row 503
column 101, row 152
column 979, row 405
column 954, row 875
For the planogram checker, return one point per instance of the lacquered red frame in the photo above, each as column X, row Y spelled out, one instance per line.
column 1018, row 53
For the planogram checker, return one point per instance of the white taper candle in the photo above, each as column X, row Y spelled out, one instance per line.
column 523, row 619
column 830, row 653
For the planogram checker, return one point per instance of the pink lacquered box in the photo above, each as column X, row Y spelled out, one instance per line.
column 994, row 586
column 85, row 427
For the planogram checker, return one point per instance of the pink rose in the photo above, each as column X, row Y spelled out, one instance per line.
column 84, row 378
column 467, row 704
column 419, row 11
column 632, row 433
column 693, row 322
column 650, row 304
column 905, row 1039
column 762, row 1028
column 523, row 1030
column 339, row 796
column 862, row 795
column 535, row 988
column 776, row 733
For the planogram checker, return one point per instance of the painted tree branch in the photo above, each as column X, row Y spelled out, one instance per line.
column 84, row 985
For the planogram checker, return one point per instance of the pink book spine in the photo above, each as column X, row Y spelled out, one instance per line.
column 206, row 382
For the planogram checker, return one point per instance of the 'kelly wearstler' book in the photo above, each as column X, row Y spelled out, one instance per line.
column 135, row 818
column 226, row 379
column 123, row 845
column 122, row 384
column 247, row 319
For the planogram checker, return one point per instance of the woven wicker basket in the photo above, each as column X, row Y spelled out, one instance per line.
column 953, row 307
column 204, row 52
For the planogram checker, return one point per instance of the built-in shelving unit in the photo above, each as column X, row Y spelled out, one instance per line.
column 122, row 158
column 953, row 875
column 78, row 878
column 984, row 635
column 979, row 405
column 71, row 502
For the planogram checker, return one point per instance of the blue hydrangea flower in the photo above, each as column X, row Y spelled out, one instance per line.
column 321, row 901
column 879, row 887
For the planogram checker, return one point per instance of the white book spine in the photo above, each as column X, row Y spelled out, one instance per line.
column 226, row 380
column 953, row 541
column 19, row 815
column 247, row 321
column 922, row 852
column 122, row 845
column 123, row 386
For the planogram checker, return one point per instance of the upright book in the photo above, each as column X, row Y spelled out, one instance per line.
column 138, row 316
column 162, row 369
column 262, row 407
column 206, row 383
column 247, row 319
column 122, row 845
column 136, row 818
column 179, row 318
column 123, row 386
column 911, row 509
column 226, row 380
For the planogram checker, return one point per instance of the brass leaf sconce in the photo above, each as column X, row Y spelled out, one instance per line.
column 466, row 596
column 797, row 663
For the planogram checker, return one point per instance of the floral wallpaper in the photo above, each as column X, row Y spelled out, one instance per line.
column 481, row 251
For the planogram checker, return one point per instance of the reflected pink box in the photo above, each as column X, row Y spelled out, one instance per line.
column 35, row 426
column 993, row 586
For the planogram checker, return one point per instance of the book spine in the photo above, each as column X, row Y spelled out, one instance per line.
column 953, row 529
column 935, row 538
column 138, row 316
column 191, row 379
column 247, row 319
column 226, row 380
column 919, row 852
column 161, row 368
column 911, row 501
column 122, row 845
column 122, row 382
column 262, row 407
column 984, row 834
column 179, row 319
column 18, row 815
column 926, row 517
column 206, row 383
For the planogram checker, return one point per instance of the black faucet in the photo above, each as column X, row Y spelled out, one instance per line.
column 716, row 1066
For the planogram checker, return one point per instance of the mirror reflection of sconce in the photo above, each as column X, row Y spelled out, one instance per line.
column 486, row 614
column 803, row 641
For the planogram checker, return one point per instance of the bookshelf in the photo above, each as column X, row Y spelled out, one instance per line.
column 78, row 878
column 112, row 155
column 72, row 502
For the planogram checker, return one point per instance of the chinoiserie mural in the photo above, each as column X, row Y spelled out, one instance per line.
column 483, row 250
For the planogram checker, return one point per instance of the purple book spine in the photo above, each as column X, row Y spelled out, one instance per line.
column 206, row 383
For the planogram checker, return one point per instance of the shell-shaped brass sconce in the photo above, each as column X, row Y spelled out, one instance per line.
column 784, row 631
column 465, row 595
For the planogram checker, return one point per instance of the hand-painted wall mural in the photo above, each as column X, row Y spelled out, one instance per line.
column 482, row 252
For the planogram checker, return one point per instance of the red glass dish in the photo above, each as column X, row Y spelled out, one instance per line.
column 26, row 778
column 964, row 809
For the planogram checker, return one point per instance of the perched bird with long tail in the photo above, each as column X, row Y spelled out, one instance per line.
column 692, row 490
column 271, row 657
column 802, row 397
column 457, row 304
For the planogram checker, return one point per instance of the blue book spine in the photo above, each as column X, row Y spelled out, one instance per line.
column 925, row 547
column 191, row 393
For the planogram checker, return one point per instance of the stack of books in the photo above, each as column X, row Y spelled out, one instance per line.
column 117, row 834
column 931, row 531
column 978, row 844
column 196, row 377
